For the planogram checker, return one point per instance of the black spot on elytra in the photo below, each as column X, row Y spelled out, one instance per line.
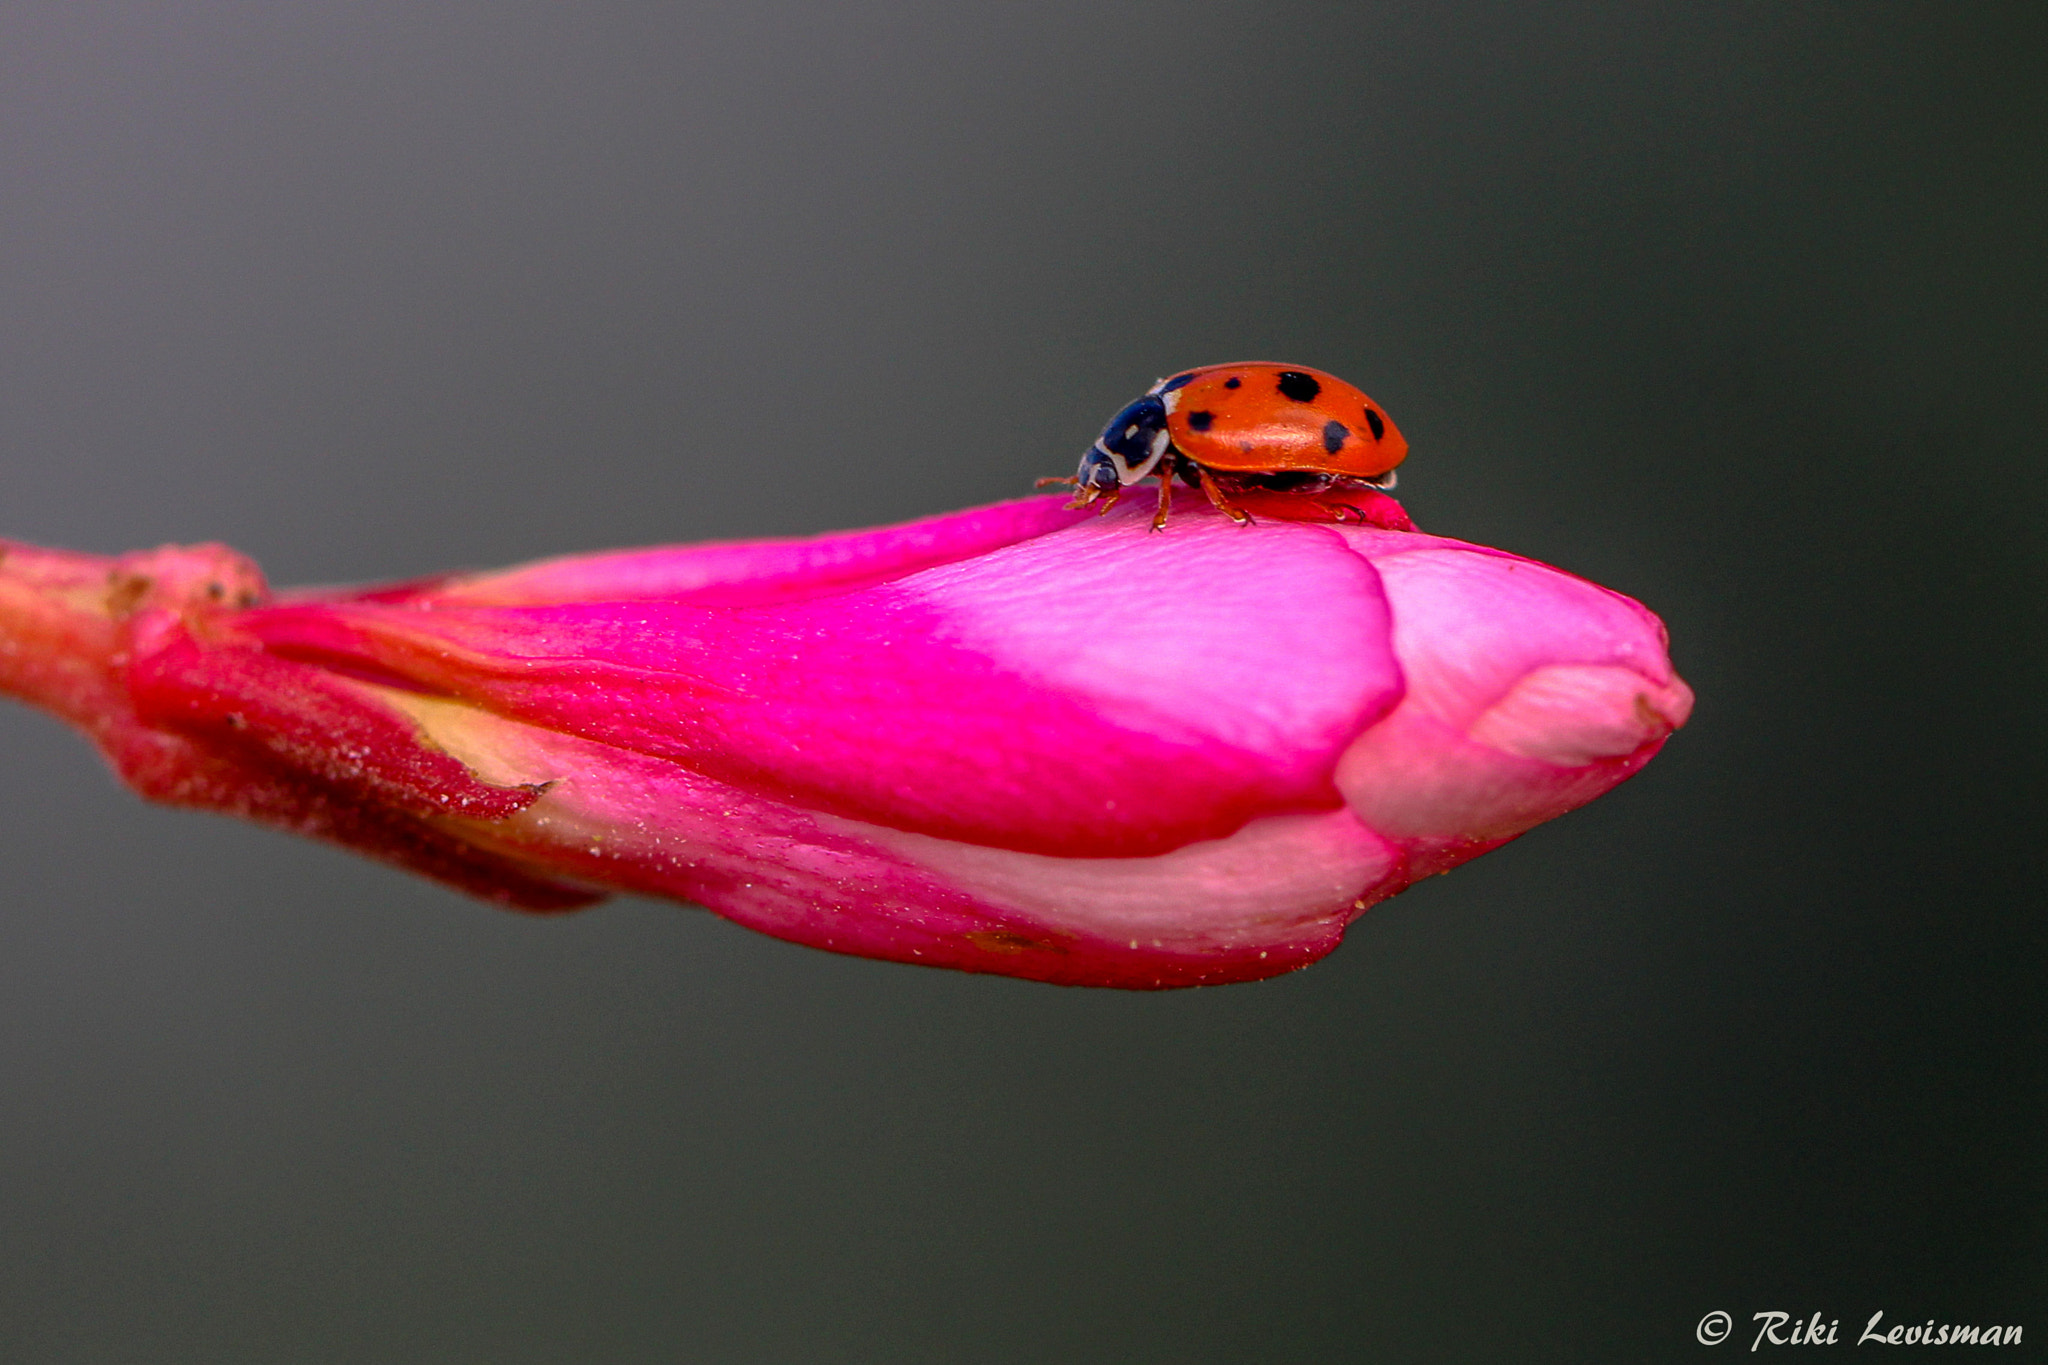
column 1378, row 425
column 1200, row 421
column 1302, row 388
column 1232, row 382
column 1334, row 434
column 1179, row 381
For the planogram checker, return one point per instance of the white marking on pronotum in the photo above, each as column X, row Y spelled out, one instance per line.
column 1128, row 474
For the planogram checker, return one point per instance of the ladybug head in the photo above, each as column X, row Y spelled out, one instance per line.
column 1097, row 470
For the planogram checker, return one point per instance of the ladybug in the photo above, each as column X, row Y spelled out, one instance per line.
column 1233, row 429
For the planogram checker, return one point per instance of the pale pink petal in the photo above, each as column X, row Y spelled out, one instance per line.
column 1284, row 884
column 1530, row 692
column 1575, row 714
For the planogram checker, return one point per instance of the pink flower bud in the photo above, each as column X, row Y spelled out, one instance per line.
column 1015, row 739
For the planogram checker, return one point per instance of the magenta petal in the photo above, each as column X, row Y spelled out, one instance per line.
column 1029, row 698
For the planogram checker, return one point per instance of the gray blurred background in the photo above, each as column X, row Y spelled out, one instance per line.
column 1736, row 308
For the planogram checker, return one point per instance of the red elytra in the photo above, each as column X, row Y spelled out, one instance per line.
column 1268, row 419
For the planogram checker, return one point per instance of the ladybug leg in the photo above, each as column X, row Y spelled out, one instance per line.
column 1165, row 495
column 1357, row 513
column 1222, row 503
column 1049, row 480
column 1086, row 497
